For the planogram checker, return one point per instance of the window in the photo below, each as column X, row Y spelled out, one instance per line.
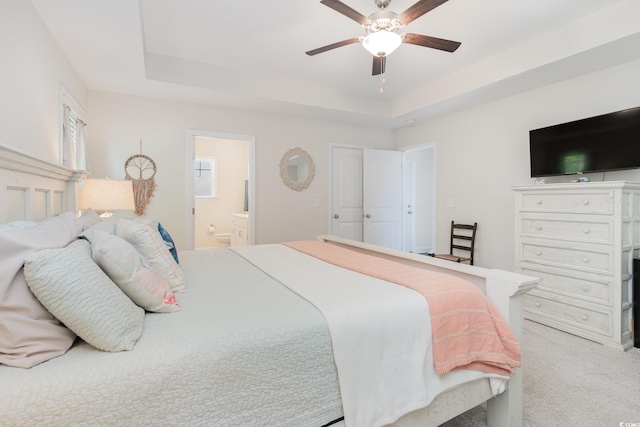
column 205, row 177
column 72, row 133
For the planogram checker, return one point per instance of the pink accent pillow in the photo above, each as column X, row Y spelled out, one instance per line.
column 29, row 334
column 132, row 273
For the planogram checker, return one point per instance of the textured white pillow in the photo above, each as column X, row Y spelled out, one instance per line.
column 77, row 292
column 151, row 246
column 29, row 334
column 132, row 273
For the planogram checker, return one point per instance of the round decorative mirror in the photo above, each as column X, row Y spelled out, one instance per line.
column 297, row 169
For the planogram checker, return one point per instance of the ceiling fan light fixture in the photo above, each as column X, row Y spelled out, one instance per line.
column 382, row 43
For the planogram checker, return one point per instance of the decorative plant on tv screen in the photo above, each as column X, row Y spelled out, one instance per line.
column 577, row 162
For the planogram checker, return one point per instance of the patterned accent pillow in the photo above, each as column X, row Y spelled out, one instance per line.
column 166, row 237
column 151, row 246
column 132, row 273
column 77, row 292
column 29, row 334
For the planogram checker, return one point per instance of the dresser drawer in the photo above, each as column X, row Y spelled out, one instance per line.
column 586, row 231
column 596, row 202
column 596, row 289
column 565, row 313
column 593, row 259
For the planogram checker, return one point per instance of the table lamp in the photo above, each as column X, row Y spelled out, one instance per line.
column 106, row 195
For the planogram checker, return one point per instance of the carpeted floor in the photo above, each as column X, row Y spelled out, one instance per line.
column 570, row 381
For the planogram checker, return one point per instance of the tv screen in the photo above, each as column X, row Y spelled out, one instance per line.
column 596, row 144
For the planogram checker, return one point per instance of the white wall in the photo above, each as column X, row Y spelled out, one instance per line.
column 482, row 152
column 119, row 121
column 32, row 69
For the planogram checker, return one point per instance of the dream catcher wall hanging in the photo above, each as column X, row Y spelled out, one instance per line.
column 141, row 169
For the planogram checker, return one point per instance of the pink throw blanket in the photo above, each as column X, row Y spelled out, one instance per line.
column 468, row 331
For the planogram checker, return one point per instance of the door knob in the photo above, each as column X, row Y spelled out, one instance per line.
column 336, row 216
column 368, row 216
column 410, row 212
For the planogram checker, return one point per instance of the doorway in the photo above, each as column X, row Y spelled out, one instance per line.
column 419, row 198
column 221, row 171
column 409, row 190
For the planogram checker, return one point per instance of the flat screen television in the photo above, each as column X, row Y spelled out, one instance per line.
column 596, row 144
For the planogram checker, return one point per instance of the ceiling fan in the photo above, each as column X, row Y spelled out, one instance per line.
column 382, row 30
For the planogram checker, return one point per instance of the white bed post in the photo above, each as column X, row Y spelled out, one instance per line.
column 505, row 409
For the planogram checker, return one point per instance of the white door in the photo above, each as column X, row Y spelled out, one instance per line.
column 409, row 205
column 382, row 198
column 346, row 218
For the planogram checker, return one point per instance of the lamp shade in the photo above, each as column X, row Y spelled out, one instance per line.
column 382, row 43
column 106, row 195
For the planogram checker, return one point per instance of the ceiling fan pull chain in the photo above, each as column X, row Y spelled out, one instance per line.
column 382, row 86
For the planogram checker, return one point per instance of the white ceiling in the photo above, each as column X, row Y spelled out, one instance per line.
column 250, row 54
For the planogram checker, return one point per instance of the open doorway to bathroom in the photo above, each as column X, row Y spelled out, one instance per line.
column 221, row 189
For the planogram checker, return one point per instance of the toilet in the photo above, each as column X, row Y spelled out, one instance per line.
column 223, row 238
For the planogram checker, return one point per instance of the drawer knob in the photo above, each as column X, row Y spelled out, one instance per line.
column 538, row 227
column 538, row 202
column 538, row 253
column 586, row 231
column 537, row 304
column 585, row 289
column 585, row 202
column 584, row 317
column 585, row 260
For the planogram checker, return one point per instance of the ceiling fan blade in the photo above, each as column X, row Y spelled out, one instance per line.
column 332, row 46
column 419, row 9
column 379, row 63
column 432, row 42
column 342, row 8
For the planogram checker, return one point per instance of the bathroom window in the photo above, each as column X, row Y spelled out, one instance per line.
column 205, row 177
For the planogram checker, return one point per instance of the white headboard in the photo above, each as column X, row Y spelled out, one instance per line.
column 32, row 189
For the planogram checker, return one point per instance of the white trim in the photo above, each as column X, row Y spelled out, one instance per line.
column 67, row 98
column 15, row 159
column 191, row 144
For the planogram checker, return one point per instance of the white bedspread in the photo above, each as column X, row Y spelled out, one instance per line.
column 244, row 351
column 381, row 335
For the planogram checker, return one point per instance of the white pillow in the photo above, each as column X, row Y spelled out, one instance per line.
column 77, row 292
column 17, row 225
column 151, row 246
column 88, row 219
column 29, row 334
column 109, row 225
column 132, row 273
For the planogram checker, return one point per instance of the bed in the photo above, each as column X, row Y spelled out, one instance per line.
column 252, row 344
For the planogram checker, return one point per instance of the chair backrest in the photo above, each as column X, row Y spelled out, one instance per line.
column 463, row 238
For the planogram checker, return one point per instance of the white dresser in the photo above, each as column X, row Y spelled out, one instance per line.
column 580, row 240
column 239, row 229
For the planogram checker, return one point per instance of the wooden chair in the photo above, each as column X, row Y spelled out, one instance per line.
column 463, row 237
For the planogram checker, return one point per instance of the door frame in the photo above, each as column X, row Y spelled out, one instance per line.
column 191, row 197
